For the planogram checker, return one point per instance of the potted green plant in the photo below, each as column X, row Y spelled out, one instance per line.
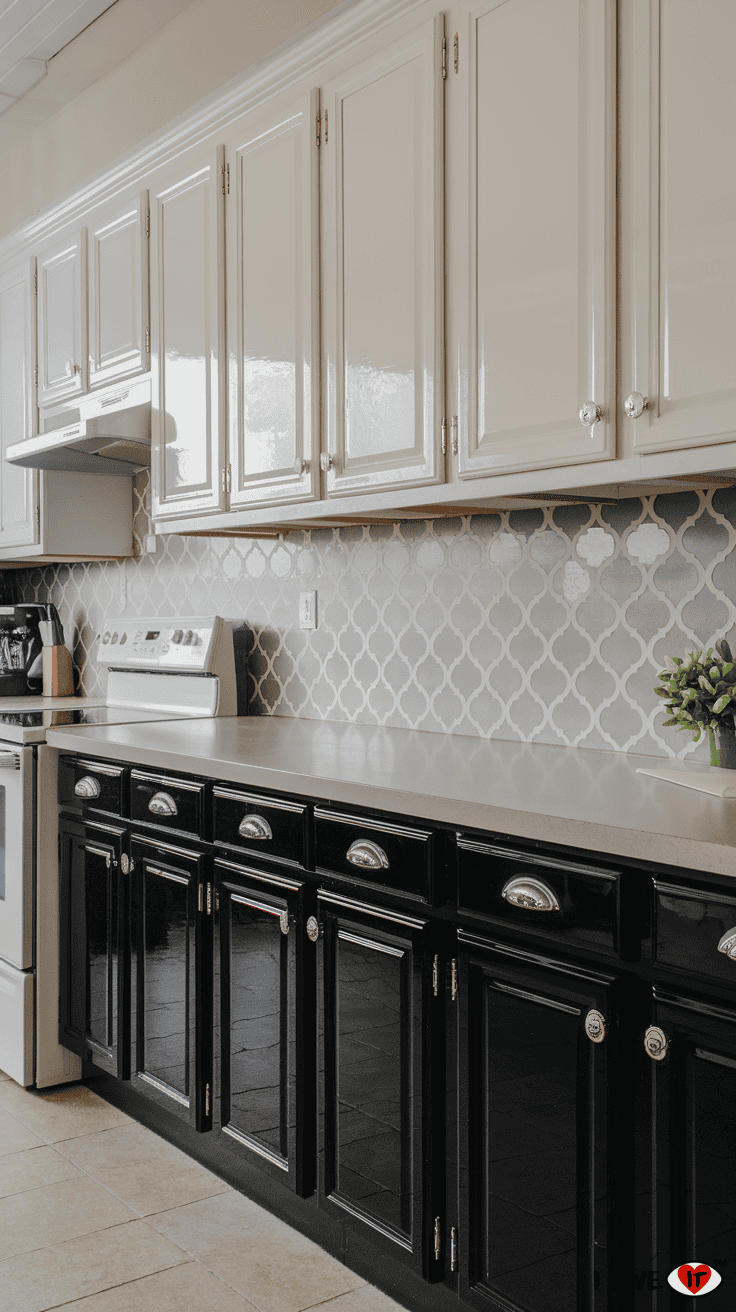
column 700, row 693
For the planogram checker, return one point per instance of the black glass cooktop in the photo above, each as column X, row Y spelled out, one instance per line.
column 81, row 715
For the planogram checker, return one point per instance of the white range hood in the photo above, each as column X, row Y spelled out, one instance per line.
column 106, row 432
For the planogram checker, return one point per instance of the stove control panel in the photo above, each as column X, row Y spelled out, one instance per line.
column 135, row 642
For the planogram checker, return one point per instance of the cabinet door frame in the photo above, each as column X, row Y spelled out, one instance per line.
column 487, row 964
column 201, row 168
column 133, row 214
column 564, row 442
column 381, row 473
column 76, row 381
column 28, row 530
column 422, row 1078
column 290, row 901
column 155, row 859
column 258, row 131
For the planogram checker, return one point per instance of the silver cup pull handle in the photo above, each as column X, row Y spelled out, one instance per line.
column 163, row 804
column 254, row 826
column 87, row 787
column 530, row 893
column 367, row 855
column 727, row 944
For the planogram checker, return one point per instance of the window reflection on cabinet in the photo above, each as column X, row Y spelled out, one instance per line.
column 187, row 338
column 62, row 319
column 18, row 413
column 118, row 292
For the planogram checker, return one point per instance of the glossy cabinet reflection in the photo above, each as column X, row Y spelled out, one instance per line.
column 93, row 1011
column 382, row 267
column 171, row 916
column 118, row 291
column 264, row 1018
column 187, row 337
column 18, row 411
column 62, row 319
column 273, row 304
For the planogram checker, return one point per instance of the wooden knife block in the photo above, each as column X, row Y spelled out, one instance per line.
column 58, row 673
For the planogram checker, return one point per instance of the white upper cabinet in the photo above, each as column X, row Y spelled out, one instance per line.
column 187, row 337
column 62, row 319
column 382, row 267
column 18, row 487
column 118, row 292
column 273, row 305
column 531, row 154
column 678, row 212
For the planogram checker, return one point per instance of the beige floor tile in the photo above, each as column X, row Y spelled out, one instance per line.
column 51, row 1276
column 32, row 1168
column 57, row 1212
column 280, row 1274
column 62, row 1113
column 367, row 1299
column 15, row 1137
column 3, row 1076
column 147, row 1173
column 183, row 1289
column 211, row 1223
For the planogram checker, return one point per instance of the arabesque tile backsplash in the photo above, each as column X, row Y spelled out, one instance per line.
column 539, row 625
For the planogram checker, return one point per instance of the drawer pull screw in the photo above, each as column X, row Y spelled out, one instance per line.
column 595, row 1026
column 533, row 894
column 727, row 944
column 655, row 1043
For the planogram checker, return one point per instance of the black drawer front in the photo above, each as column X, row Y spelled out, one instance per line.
column 92, row 785
column 261, row 825
column 689, row 925
column 542, row 895
column 389, row 855
column 175, row 804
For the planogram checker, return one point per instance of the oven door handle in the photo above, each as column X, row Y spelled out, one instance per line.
column 10, row 760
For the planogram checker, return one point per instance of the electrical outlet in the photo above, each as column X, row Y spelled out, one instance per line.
column 307, row 610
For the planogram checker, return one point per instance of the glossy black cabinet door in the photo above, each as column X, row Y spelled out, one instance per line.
column 171, row 979
column 94, row 1005
column 265, row 1022
column 380, row 1092
column 692, row 1093
column 535, row 1132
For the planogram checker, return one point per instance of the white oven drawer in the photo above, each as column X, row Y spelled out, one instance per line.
column 16, row 1023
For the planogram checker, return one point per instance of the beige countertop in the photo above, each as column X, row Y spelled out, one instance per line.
column 589, row 799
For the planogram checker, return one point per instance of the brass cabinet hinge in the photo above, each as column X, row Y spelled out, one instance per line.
column 227, row 170
column 443, row 426
column 148, row 222
column 325, row 127
column 226, row 175
column 453, row 1249
column 148, row 340
column 456, row 51
column 207, row 1100
column 453, row 980
column 437, row 1239
column 436, row 975
column 38, row 516
column 227, row 478
column 35, row 372
column 453, row 439
column 444, row 58
column 319, row 125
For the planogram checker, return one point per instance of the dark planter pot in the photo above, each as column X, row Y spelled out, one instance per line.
column 723, row 748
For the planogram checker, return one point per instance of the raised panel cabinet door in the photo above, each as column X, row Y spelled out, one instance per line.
column 537, row 1132
column 533, row 217
column 188, row 339
column 265, row 1023
column 381, row 1079
column 118, row 292
column 171, row 918
column 18, row 410
column 94, row 1004
column 678, row 224
column 62, row 320
column 691, row 1090
column 273, row 305
column 383, row 267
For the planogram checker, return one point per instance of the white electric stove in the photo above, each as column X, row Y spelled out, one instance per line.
column 158, row 669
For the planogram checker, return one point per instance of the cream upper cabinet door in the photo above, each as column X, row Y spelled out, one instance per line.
column 62, row 319
column 188, row 338
column 382, row 267
column 533, row 242
column 678, row 219
column 18, row 414
column 118, row 292
column 273, row 305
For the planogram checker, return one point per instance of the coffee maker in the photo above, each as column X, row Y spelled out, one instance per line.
column 21, row 647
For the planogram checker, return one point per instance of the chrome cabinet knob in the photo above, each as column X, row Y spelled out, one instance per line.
column 325, row 462
column 163, row 804
column 655, row 1043
column 595, row 1026
column 300, row 466
column 254, row 826
column 590, row 414
column 635, row 405
column 532, row 894
column 368, row 855
column 727, row 944
column 87, row 787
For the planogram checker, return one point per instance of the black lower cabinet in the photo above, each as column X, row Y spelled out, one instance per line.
column 172, row 902
column 689, row 1064
column 538, row 1136
column 93, row 1017
column 265, row 1046
column 381, row 1079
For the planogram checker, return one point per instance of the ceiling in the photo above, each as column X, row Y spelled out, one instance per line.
column 52, row 50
